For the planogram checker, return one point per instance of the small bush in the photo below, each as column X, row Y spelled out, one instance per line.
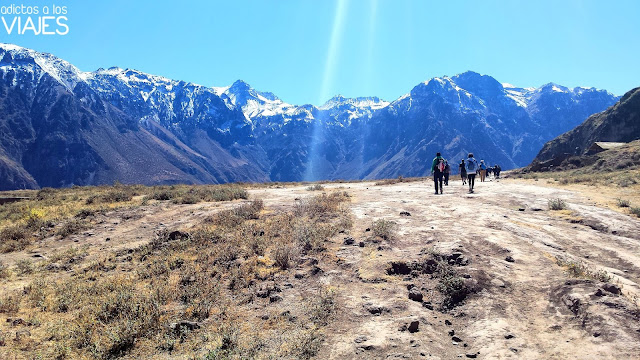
column 308, row 343
column 85, row 213
column 623, row 203
column 46, row 193
column 236, row 216
column 112, row 196
column 35, row 219
column 71, row 227
column 9, row 304
column 626, row 182
column 320, row 205
column 250, row 210
column 224, row 193
column 384, row 229
column 163, row 195
column 14, row 238
column 4, row 271
column 578, row 269
column 284, row 255
column 24, row 267
column 316, row 187
column 188, row 199
column 322, row 307
column 69, row 255
column 453, row 289
column 36, row 293
column 557, row 204
column 309, row 235
column 635, row 211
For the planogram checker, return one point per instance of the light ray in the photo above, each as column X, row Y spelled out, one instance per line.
column 312, row 171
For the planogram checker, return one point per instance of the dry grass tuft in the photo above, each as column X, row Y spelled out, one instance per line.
column 384, row 229
column 399, row 179
column 579, row 269
column 186, row 293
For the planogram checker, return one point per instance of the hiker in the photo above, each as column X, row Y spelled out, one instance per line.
column 497, row 170
column 463, row 172
column 483, row 170
column 437, row 168
column 471, row 166
column 489, row 171
column 447, row 172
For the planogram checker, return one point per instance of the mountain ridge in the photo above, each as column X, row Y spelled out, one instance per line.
column 199, row 134
column 618, row 123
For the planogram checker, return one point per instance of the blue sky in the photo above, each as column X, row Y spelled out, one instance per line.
column 306, row 51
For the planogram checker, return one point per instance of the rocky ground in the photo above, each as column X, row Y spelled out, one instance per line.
column 523, row 304
column 531, row 283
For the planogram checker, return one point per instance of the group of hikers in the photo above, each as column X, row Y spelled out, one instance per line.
column 468, row 170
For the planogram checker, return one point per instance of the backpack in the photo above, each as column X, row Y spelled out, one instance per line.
column 440, row 165
column 471, row 166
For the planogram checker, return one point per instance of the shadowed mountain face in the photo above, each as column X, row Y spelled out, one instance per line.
column 61, row 126
column 619, row 123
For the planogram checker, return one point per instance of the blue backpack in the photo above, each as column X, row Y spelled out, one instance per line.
column 471, row 165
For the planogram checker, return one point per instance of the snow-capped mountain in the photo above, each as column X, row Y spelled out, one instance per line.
column 62, row 126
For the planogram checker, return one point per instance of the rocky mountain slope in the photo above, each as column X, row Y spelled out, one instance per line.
column 619, row 123
column 62, row 126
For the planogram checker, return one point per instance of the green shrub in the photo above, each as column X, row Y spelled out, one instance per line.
column 163, row 194
column 453, row 289
column 557, row 204
column 384, row 229
column 635, row 211
column 578, row 269
column 623, row 203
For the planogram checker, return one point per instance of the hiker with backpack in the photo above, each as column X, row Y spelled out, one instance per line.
column 471, row 166
column 463, row 172
column 437, row 168
column 447, row 172
column 496, row 170
column 483, row 170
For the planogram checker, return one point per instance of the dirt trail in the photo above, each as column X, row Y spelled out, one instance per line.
column 529, row 308
column 526, row 308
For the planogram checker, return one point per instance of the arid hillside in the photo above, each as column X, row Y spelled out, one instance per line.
column 537, row 268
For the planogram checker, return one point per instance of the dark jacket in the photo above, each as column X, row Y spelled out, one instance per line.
column 463, row 169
